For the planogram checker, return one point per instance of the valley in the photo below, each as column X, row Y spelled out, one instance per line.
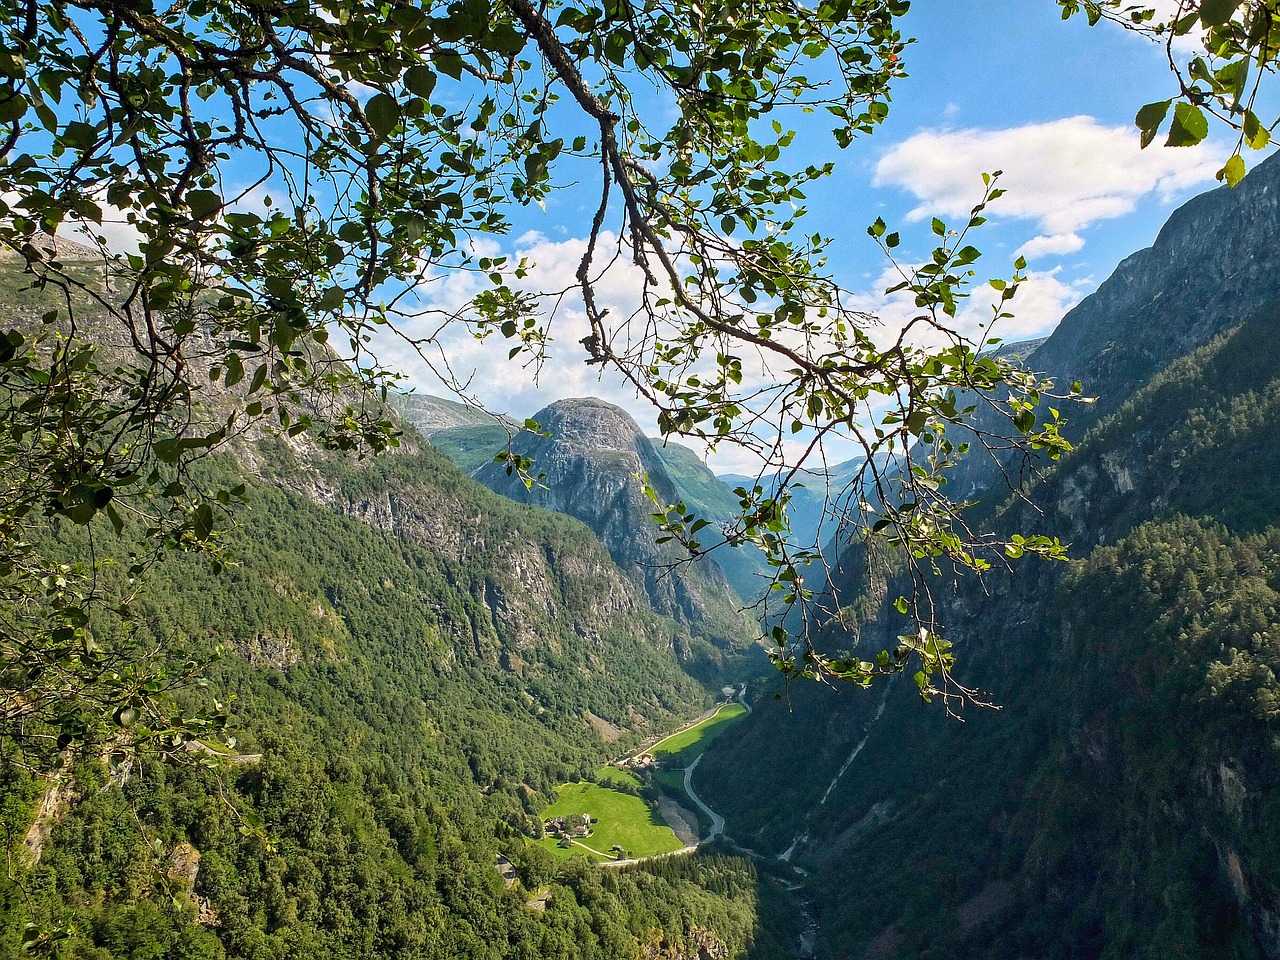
column 1119, row 801
column 623, row 827
column 838, row 627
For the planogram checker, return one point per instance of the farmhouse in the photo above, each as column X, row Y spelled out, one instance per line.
column 573, row 826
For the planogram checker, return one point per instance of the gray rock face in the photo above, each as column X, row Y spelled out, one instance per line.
column 432, row 414
column 593, row 463
column 1214, row 263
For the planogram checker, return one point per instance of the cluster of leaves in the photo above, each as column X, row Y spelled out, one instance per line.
column 73, row 436
column 1239, row 40
column 898, row 494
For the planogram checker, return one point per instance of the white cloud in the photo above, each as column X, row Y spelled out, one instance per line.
column 1042, row 299
column 1039, row 304
column 513, row 386
column 1044, row 245
column 1063, row 175
column 115, row 232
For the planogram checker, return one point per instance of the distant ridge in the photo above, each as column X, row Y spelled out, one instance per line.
column 54, row 248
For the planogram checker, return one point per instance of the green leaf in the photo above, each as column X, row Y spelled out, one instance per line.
column 12, row 106
column 448, row 63
column 259, row 378
column 235, row 370
column 1214, row 13
column 203, row 203
column 12, row 64
column 420, row 80
column 1189, row 127
column 202, row 523
column 504, row 39
column 1233, row 171
column 1149, row 119
column 1256, row 136
column 383, row 113
column 80, row 135
column 333, row 299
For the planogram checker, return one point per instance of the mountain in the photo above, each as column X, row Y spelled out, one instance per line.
column 710, row 497
column 471, row 439
column 1211, row 265
column 815, row 494
column 591, row 462
column 1125, row 799
column 467, row 436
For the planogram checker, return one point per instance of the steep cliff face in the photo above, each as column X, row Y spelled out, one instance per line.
column 537, row 578
column 591, row 464
column 1213, row 264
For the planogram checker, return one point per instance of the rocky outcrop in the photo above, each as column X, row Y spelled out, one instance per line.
column 184, row 869
column 698, row 944
column 591, row 466
column 56, row 800
column 429, row 414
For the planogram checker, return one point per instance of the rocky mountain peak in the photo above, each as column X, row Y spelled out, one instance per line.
column 1213, row 264
column 592, row 464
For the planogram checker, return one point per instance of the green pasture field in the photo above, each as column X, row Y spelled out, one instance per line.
column 624, row 819
column 683, row 748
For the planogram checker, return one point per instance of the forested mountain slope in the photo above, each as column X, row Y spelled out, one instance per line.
column 465, row 435
column 712, row 498
column 414, row 663
column 1125, row 799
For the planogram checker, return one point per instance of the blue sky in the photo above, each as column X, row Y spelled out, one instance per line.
column 1049, row 102
column 992, row 84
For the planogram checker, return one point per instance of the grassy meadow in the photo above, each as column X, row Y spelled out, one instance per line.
column 624, row 819
column 683, row 748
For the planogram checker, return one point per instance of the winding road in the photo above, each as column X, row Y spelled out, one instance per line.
column 717, row 821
